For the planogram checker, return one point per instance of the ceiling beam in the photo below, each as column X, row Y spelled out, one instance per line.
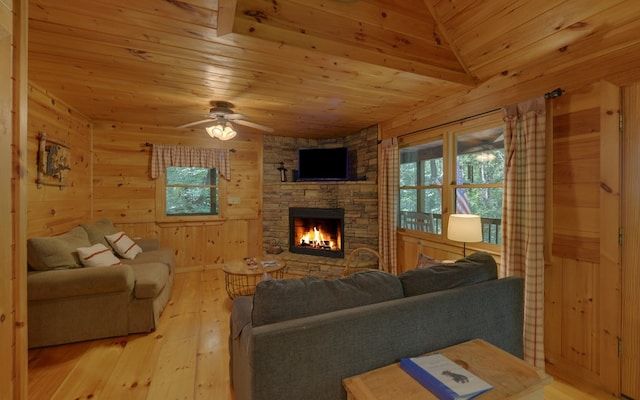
column 294, row 25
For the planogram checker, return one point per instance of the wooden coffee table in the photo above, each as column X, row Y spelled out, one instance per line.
column 241, row 276
column 511, row 377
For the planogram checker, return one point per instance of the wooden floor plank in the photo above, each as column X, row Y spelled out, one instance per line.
column 90, row 375
column 131, row 377
column 185, row 358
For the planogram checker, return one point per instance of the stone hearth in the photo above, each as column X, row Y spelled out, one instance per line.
column 358, row 198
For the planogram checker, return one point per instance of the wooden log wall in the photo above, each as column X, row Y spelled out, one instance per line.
column 124, row 191
column 52, row 210
column 582, row 279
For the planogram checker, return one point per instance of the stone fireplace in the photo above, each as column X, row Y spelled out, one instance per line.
column 358, row 198
column 316, row 231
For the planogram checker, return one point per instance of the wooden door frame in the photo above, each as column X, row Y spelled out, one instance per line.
column 630, row 348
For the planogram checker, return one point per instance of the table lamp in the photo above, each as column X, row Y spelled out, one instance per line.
column 465, row 228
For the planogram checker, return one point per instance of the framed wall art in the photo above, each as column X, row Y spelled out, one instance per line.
column 54, row 161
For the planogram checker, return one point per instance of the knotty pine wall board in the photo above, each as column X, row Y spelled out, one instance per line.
column 52, row 210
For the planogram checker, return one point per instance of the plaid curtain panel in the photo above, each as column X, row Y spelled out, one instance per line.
column 388, row 203
column 523, row 214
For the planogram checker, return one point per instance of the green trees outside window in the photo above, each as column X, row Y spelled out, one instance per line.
column 191, row 191
column 468, row 165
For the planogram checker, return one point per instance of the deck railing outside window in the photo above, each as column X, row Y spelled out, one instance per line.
column 432, row 223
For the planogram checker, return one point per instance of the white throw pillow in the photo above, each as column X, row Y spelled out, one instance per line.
column 123, row 245
column 97, row 255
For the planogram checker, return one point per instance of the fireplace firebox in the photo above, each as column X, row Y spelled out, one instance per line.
column 316, row 231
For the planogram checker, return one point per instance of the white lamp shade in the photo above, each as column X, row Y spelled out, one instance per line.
column 222, row 132
column 465, row 228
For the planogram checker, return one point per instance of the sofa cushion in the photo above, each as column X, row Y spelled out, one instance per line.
column 123, row 245
column 278, row 300
column 164, row 255
column 97, row 255
column 54, row 285
column 475, row 268
column 45, row 253
column 149, row 279
column 97, row 230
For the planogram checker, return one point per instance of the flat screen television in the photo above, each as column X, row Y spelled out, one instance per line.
column 319, row 164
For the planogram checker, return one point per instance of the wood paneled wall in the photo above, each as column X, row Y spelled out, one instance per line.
column 13, row 136
column 110, row 177
column 124, row 191
column 52, row 210
column 582, row 280
column 7, row 350
column 631, row 238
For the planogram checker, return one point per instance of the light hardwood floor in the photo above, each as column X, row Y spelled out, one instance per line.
column 186, row 358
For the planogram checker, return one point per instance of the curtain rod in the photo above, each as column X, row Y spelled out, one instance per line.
column 549, row 95
column 449, row 123
column 147, row 144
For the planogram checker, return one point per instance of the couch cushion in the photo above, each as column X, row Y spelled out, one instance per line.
column 164, row 255
column 475, row 268
column 45, row 253
column 97, row 230
column 278, row 300
column 150, row 279
column 46, row 285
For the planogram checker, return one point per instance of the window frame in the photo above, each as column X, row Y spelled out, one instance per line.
column 448, row 134
column 161, row 202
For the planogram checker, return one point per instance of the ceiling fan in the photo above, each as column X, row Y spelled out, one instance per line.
column 222, row 114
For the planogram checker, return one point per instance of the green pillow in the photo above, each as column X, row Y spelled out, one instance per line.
column 45, row 253
column 97, row 230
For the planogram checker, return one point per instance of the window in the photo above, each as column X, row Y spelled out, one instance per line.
column 459, row 169
column 191, row 191
column 421, row 174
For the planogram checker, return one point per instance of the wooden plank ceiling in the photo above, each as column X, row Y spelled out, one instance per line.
column 307, row 68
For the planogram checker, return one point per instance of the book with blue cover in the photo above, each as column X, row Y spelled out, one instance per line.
column 443, row 377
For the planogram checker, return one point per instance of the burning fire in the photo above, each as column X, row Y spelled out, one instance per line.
column 315, row 239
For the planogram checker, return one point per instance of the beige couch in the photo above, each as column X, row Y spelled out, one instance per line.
column 71, row 302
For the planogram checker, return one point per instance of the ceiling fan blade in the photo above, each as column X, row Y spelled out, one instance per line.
column 194, row 123
column 253, row 125
column 234, row 117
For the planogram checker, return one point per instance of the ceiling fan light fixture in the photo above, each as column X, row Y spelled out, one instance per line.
column 221, row 131
column 485, row 157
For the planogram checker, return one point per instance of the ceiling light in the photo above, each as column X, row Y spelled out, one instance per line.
column 485, row 157
column 221, row 131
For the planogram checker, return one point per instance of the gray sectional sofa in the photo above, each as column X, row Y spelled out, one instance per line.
column 298, row 338
column 71, row 302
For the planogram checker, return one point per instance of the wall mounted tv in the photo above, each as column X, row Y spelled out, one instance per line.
column 319, row 164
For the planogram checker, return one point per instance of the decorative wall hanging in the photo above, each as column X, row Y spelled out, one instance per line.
column 54, row 161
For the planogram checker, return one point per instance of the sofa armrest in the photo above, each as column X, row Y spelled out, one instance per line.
column 240, row 315
column 45, row 285
column 148, row 244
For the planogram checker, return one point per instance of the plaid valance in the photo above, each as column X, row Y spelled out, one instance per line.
column 180, row 156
